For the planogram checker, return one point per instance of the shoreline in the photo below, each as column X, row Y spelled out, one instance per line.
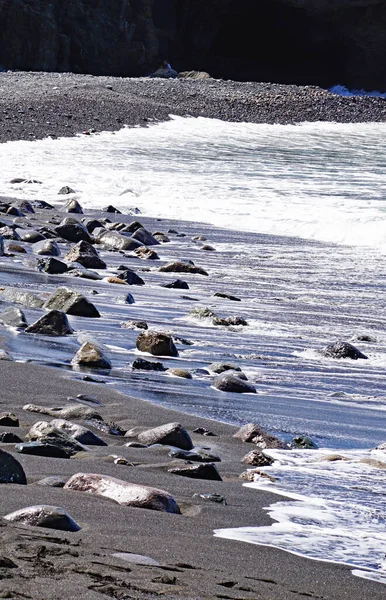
column 37, row 105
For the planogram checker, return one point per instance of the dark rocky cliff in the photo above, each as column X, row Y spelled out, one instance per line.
column 292, row 41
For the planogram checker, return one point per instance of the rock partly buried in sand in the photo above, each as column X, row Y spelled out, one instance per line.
column 147, row 365
column 230, row 382
column 86, row 255
column 46, row 248
column 13, row 317
column 72, row 230
column 11, row 470
column 343, row 350
column 156, row 343
column 92, row 356
column 257, row 435
column 76, row 432
column 9, row 420
column 72, row 303
column 131, row 277
column 27, row 299
column 257, row 458
column 182, row 267
column 303, row 442
column 170, row 434
column 202, row 471
column 52, row 265
column 123, row 492
column 54, row 323
column 112, row 240
column 44, row 515
column 71, row 411
column 145, row 237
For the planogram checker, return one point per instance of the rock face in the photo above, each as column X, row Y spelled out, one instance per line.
column 123, row 492
column 325, row 41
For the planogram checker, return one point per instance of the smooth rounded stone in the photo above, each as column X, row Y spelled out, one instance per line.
column 203, row 471
column 146, row 253
column 66, row 189
column 73, row 206
column 14, row 211
column 170, row 434
column 54, row 323
column 11, row 470
column 46, row 248
column 12, row 247
column 131, row 277
column 86, row 255
column 343, row 350
column 9, row 420
column 177, row 284
column 8, row 233
column 182, row 267
column 303, row 442
column 84, row 274
column 134, row 325
column 123, row 492
column 221, row 367
column 53, row 481
column 230, row 382
column 72, row 230
column 156, row 343
column 257, row 435
column 183, row 373
column 30, row 235
column 71, row 411
column 161, row 237
column 44, row 515
column 147, row 365
column 43, row 449
column 13, row 317
column 145, row 237
column 72, row 303
column 257, row 458
column 208, row 248
column 112, row 240
column 73, row 430
column 226, row 296
column 92, row 356
column 199, row 238
column 27, row 299
column 198, row 454
column 7, row 437
column 52, row 265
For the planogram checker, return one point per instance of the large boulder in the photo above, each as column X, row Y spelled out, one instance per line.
column 123, row 492
column 11, row 470
column 171, row 434
column 156, row 343
column 72, row 303
column 90, row 355
column 72, row 230
column 131, row 277
column 13, row 317
column 85, row 254
column 343, row 350
column 54, row 323
column 145, row 237
column 52, row 265
column 44, row 515
column 230, row 382
column 73, row 430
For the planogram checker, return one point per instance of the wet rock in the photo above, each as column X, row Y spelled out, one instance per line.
column 203, row 313
column 71, row 411
column 123, row 492
column 76, row 432
column 9, row 420
column 182, row 267
column 73, row 206
column 227, row 297
column 54, row 323
column 199, row 455
column 85, row 274
column 112, row 240
column 14, row 211
column 12, row 247
column 44, row 515
column 257, row 435
column 257, row 458
column 183, row 373
column 13, row 317
column 131, row 277
column 72, row 303
column 365, row 337
column 127, row 299
column 230, row 382
column 72, row 230
column 111, row 209
column 161, row 237
column 147, row 365
column 234, row 320
column 52, row 265
column 203, row 471
column 220, row 367
column 66, row 189
column 208, row 248
column 20, row 297
column 154, row 342
column 171, row 434
column 134, row 325
column 30, row 235
column 204, row 431
column 92, row 224
column 178, row 284
column 8, row 233
column 146, row 253
column 11, row 470
column 86, row 255
column 6, row 437
column 343, row 350
column 145, row 237
column 46, row 248
column 42, row 204
column 92, row 356
column 303, row 442
column 53, row 481
column 47, row 449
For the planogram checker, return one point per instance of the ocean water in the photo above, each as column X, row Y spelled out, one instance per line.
column 297, row 217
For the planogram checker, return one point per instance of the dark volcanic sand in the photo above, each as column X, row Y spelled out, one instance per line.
column 36, row 105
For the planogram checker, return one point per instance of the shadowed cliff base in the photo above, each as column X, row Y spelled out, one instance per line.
column 307, row 42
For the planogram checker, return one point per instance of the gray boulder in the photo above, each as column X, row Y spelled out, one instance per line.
column 73, row 430
column 11, row 470
column 66, row 189
column 13, row 317
column 156, row 343
column 343, row 350
column 46, row 248
column 30, row 235
column 112, row 240
column 220, row 367
column 91, row 355
column 145, row 237
column 54, row 323
column 147, row 365
column 230, row 382
column 130, row 277
column 72, row 303
column 85, row 254
column 170, row 434
column 52, row 265
column 202, row 471
column 44, row 515
column 257, row 435
column 71, row 230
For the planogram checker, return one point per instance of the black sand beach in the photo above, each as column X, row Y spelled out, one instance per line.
column 48, row 564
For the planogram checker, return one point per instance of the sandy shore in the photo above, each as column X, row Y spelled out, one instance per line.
column 36, row 105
